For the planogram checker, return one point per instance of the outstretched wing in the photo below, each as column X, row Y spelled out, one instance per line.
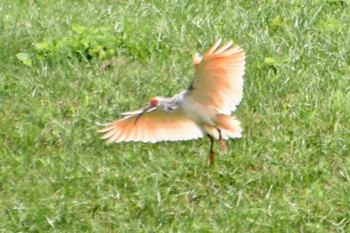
column 152, row 126
column 218, row 79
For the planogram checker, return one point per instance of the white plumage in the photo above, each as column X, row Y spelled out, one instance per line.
column 203, row 109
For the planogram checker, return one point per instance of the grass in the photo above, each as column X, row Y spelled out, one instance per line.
column 289, row 172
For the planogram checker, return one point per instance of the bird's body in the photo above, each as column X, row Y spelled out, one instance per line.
column 203, row 109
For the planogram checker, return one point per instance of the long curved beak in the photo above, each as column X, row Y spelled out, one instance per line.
column 146, row 109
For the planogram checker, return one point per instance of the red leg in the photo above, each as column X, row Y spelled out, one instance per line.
column 211, row 153
column 223, row 144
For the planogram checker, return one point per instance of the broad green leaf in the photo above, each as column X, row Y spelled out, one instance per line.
column 28, row 62
column 269, row 60
column 23, row 56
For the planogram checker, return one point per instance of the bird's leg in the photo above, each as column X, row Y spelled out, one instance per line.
column 211, row 153
column 222, row 142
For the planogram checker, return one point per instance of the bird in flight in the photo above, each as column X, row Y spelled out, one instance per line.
column 203, row 109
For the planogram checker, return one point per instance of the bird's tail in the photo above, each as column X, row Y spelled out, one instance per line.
column 229, row 126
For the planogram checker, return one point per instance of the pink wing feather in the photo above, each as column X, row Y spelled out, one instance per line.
column 153, row 126
column 218, row 80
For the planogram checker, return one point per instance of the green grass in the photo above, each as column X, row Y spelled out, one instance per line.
column 289, row 172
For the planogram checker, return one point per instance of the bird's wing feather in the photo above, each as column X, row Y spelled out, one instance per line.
column 153, row 126
column 132, row 113
column 218, row 79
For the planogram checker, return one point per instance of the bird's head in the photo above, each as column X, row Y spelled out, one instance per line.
column 153, row 103
column 165, row 104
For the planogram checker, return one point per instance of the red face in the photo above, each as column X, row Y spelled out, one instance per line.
column 154, row 102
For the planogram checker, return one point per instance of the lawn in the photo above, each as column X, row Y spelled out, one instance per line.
column 69, row 66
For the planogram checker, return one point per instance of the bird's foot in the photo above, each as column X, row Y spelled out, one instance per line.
column 223, row 145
